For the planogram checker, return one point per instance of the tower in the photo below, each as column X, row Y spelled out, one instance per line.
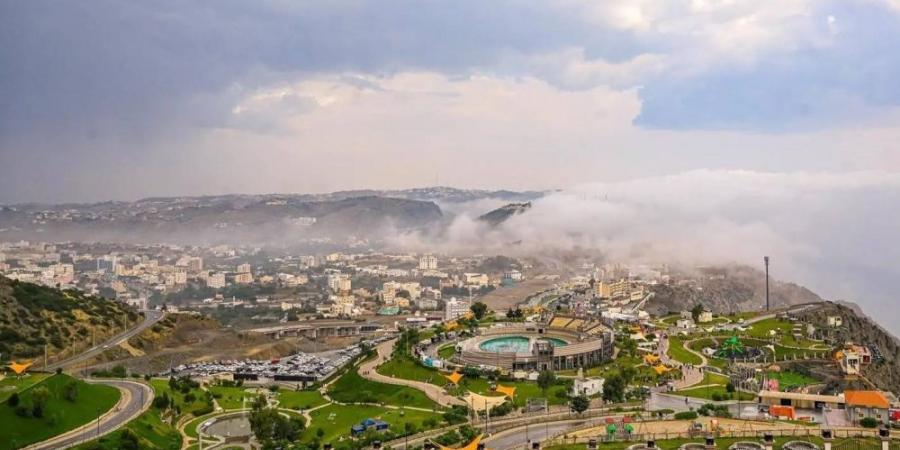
column 766, row 260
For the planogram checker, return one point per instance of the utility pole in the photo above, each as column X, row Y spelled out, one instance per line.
column 766, row 260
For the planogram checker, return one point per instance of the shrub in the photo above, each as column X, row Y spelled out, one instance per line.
column 13, row 400
column 686, row 415
column 868, row 422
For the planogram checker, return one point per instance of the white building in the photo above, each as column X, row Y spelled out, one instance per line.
column 454, row 308
column 513, row 275
column 243, row 268
column 428, row 262
column 587, row 386
column 475, row 279
column 216, row 280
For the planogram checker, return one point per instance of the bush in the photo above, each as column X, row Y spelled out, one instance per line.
column 13, row 400
column 868, row 422
column 686, row 415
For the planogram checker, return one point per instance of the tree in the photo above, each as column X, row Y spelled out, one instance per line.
column 580, row 403
column 13, row 400
column 479, row 309
column 39, row 397
column 695, row 312
column 614, row 389
column 70, row 391
column 546, row 379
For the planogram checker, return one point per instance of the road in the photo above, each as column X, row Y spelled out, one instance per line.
column 368, row 370
column 136, row 398
column 520, row 437
column 150, row 318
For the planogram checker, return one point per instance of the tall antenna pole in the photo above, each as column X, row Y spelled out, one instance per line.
column 766, row 259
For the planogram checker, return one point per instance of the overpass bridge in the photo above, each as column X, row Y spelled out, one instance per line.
column 318, row 329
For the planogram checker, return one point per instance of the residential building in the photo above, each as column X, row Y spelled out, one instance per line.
column 243, row 278
column 587, row 386
column 455, row 309
column 428, row 262
column 862, row 404
column 216, row 280
column 243, row 268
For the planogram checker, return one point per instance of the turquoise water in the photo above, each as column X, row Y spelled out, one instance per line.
column 514, row 344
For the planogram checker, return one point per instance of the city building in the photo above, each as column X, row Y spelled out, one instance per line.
column 243, row 278
column 454, row 309
column 428, row 262
column 216, row 280
column 587, row 386
column 862, row 404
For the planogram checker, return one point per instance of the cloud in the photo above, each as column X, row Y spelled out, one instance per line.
column 832, row 233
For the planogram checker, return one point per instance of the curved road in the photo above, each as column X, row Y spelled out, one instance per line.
column 368, row 370
column 150, row 318
column 136, row 398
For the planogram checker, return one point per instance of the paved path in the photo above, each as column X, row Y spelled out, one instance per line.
column 521, row 437
column 150, row 318
column 692, row 374
column 368, row 370
column 136, row 398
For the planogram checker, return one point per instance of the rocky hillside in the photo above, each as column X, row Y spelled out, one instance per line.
column 32, row 316
column 728, row 290
column 861, row 330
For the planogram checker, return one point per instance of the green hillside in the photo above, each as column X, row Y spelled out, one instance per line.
column 32, row 316
column 53, row 406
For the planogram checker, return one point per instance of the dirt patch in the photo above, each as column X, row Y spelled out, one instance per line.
column 503, row 298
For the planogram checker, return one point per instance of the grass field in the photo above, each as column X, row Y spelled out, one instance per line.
column 60, row 415
column 706, row 393
column 161, row 386
column 299, row 399
column 12, row 383
column 677, row 352
column 336, row 420
column 789, row 379
column 447, row 351
column 404, row 367
column 352, row 388
column 524, row 390
column 151, row 431
column 230, row 397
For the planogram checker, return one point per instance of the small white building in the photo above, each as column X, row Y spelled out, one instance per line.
column 587, row 386
column 685, row 324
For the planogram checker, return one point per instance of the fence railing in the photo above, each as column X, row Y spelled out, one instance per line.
column 700, row 435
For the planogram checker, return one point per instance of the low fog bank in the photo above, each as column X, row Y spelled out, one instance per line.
column 838, row 234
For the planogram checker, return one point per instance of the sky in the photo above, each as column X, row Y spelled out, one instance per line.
column 124, row 100
column 720, row 129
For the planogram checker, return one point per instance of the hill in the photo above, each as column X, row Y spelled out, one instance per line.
column 726, row 290
column 65, row 320
column 222, row 219
column 503, row 213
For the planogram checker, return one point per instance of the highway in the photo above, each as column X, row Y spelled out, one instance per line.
column 150, row 318
column 136, row 398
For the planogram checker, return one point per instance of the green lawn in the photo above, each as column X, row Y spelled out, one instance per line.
column 404, row 367
column 447, row 351
column 524, row 390
column 677, row 352
column 230, row 397
column 707, row 393
column 790, row 379
column 336, row 420
column 198, row 404
column 12, row 383
column 60, row 415
column 151, row 431
column 352, row 388
column 299, row 399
